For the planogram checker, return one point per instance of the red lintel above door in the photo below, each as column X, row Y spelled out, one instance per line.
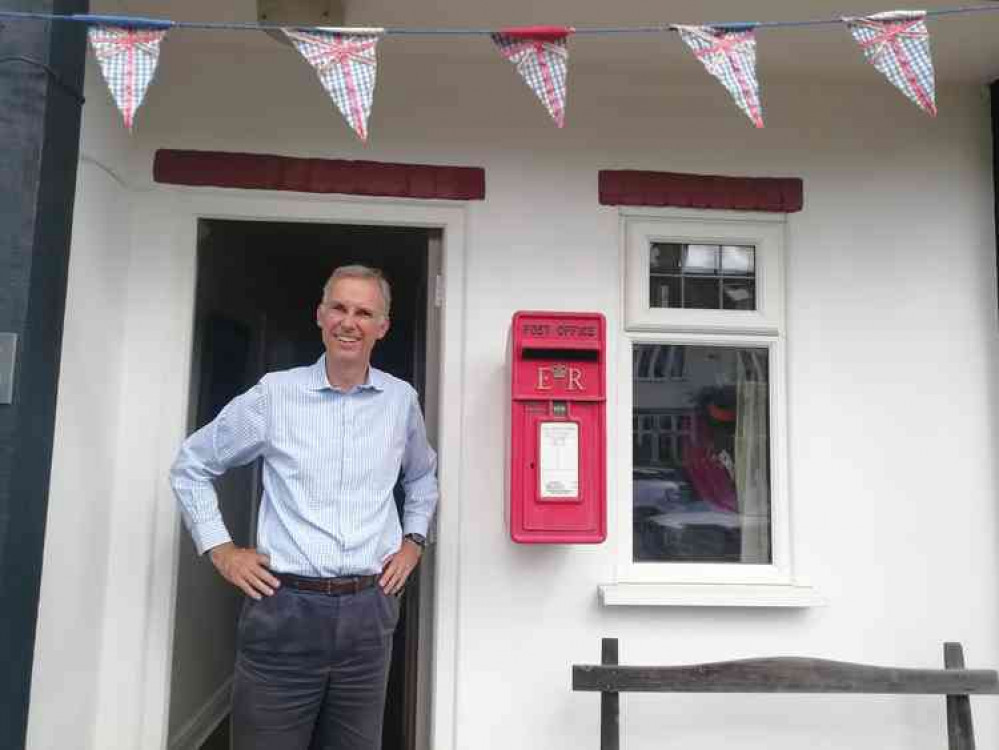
column 270, row 172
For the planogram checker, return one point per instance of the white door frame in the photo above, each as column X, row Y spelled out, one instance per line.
column 141, row 591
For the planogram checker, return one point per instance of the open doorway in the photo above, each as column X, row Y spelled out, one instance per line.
column 258, row 286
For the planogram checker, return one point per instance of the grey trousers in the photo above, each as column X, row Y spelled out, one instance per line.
column 313, row 668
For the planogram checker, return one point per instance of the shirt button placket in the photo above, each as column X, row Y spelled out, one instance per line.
column 338, row 440
column 344, row 437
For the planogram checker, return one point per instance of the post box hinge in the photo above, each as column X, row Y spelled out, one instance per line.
column 438, row 291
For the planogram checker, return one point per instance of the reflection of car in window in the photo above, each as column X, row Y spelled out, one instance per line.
column 657, row 487
column 688, row 531
column 690, row 509
column 672, row 523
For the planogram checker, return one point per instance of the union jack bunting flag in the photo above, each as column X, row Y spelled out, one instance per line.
column 346, row 64
column 541, row 56
column 730, row 56
column 897, row 43
column 127, row 57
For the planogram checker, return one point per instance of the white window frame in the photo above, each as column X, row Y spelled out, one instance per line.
column 708, row 584
column 764, row 231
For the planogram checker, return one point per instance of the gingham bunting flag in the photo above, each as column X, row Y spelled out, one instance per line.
column 897, row 43
column 346, row 63
column 730, row 56
column 541, row 56
column 127, row 57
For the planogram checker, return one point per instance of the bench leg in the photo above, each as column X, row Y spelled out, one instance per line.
column 960, row 731
column 610, row 735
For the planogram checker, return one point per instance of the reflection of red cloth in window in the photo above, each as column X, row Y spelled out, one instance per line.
column 711, row 480
column 720, row 414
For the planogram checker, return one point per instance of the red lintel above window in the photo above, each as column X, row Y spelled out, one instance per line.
column 269, row 172
column 636, row 188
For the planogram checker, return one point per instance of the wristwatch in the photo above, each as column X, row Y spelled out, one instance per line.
column 418, row 539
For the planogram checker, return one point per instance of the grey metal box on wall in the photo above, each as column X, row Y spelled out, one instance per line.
column 8, row 359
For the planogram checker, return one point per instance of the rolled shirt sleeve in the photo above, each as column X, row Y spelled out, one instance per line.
column 237, row 436
column 419, row 474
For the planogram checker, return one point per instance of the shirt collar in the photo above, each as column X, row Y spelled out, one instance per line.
column 317, row 380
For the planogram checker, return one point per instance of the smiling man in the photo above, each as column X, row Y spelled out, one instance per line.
column 332, row 555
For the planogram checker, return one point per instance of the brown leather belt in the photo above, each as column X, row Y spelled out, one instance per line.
column 346, row 585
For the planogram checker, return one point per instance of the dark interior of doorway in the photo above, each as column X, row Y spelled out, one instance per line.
column 258, row 286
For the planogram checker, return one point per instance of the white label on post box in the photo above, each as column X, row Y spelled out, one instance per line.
column 559, row 460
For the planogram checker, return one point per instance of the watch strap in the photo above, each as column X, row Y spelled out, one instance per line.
column 418, row 539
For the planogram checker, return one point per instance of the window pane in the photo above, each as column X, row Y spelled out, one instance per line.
column 701, row 474
column 658, row 362
column 702, row 293
column 738, row 259
column 664, row 257
column 738, row 294
column 664, row 291
column 701, row 259
column 702, row 277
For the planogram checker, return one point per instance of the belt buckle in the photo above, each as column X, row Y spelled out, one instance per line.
column 345, row 585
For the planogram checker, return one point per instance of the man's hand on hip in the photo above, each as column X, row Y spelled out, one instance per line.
column 244, row 568
column 397, row 567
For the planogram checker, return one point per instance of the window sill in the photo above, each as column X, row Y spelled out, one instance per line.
column 708, row 595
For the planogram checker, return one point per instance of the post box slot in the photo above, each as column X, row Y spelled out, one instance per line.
column 568, row 355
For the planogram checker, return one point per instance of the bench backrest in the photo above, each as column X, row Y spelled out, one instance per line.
column 784, row 674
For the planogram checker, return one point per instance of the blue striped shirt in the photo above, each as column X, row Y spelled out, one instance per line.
column 331, row 459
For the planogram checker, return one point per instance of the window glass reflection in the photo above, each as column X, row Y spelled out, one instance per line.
column 701, row 259
column 738, row 259
column 700, row 439
column 702, row 277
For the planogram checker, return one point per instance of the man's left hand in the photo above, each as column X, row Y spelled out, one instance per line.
column 397, row 567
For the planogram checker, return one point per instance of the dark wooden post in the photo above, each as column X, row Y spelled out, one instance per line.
column 41, row 75
column 610, row 707
column 960, row 731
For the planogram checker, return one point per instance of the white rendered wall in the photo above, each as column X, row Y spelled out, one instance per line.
column 891, row 379
column 85, row 453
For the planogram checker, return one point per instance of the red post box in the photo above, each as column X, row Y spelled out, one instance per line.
column 558, row 443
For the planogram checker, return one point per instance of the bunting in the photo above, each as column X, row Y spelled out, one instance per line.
column 346, row 64
column 897, row 43
column 541, row 56
column 127, row 56
column 730, row 56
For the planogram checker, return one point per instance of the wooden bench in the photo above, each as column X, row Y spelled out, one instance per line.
column 785, row 674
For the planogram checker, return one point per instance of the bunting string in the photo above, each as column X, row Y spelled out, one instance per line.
column 137, row 21
column 896, row 43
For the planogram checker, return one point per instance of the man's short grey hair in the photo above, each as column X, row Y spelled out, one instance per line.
column 357, row 271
